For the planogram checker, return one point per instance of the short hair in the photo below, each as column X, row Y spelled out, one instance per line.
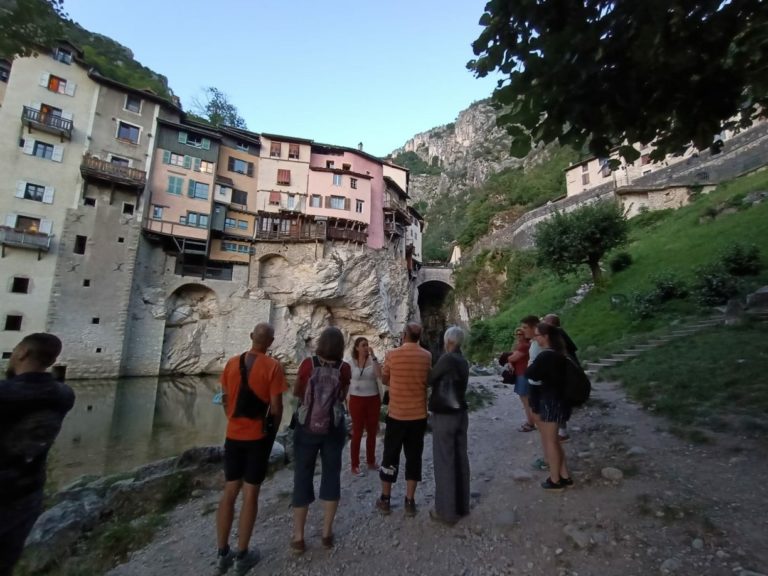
column 530, row 320
column 454, row 334
column 263, row 333
column 42, row 348
column 330, row 344
column 413, row 332
column 553, row 319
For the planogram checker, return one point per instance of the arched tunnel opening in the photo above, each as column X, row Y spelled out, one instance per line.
column 436, row 311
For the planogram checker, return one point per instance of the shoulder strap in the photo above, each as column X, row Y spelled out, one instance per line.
column 245, row 367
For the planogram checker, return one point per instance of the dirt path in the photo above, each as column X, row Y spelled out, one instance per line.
column 679, row 509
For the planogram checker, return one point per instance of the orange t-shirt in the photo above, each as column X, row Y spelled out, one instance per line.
column 407, row 368
column 266, row 379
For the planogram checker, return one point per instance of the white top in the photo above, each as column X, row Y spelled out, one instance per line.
column 533, row 351
column 363, row 379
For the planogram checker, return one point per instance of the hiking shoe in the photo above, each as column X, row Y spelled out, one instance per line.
column 566, row 482
column 551, row 486
column 383, row 506
column 246, row 562
column 224, row 561
column 410, row 508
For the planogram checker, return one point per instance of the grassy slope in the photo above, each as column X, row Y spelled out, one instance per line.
column 677, row 243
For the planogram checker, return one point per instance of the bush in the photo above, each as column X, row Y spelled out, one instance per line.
column 714, row 285
column 620, row 261
column 741, row 259
column 642, row 304
column 667, row 286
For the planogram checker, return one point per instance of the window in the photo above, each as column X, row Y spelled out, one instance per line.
column 353, row 183
column 157, row 212
column 128, row 132
column 133, row 104
column 98, row 350
column 585, row 168
column 314, row 201
column 329, row 163
column 645, row 159
column 80, row 244
column 86, row 283
column 230, row 223
column 43, row 150
column 128, row 208
column 243, row 146
column 198, row 190
column 195, row 219
column 240, row 197
column 120, row 240
column 177, row 159
column 337, row 202
column 120, row 161
column 175, row 184
column 337, row 179
column 63, row 55
column 293, row 151
column 291, row 204
column 585, row 179
column 13, row 322
column 88, row 201
column 229, row 247
column 27, row 224
column 346, row 166
column 20, row 285
column 95, row 320
column 56, row 84
column 203, row 166
column 242, row 224
column 5, row 71
column 274, row 198
column 34, row 192
column 7, row 355
column 240, row 166
column 275, row 149
column 284, row 177
column 194, row 140
column 359, row 206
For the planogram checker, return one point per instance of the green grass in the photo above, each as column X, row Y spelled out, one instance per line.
column 674, row 242
column 713, row 381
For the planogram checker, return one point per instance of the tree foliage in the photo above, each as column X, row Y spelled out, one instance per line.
column 609, row 72
column 28, row 25
column 215, row 107
column 568, row 240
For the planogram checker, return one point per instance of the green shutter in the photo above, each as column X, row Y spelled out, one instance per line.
column 191, row 189
column 187, row 162
column 197, row 163
column 183, row 137
column 206, row 144
column 166, row 156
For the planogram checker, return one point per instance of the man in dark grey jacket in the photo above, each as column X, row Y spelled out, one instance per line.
column 32, row 407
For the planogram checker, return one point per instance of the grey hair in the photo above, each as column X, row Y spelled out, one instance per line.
column 454, row 334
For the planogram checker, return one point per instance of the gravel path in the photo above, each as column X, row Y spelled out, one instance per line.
column 678, row 509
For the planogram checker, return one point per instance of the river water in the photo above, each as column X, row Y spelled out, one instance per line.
column 117, row 425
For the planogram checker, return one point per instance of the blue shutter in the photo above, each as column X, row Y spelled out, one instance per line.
column 191, row 189
column 166, row 156
column 206, row 144
column 183, row 137
column 187, row 162
column 197, row 162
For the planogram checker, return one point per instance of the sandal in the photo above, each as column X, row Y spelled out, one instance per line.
column 298, row 546
column 328, row 542
column 527, row 427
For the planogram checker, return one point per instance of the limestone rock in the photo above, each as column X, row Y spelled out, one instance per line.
column 612, row 474
column 670, row 565
column 576, row 535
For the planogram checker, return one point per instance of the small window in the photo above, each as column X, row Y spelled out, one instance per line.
column 80, row 244
column 275, row 149
column 98, row 350
column 240, row 197
column 329, row 163
column 118, row 161
column 244, row 146
column 240, row 166
column 353, row 183
column 337, row 179
column 128, row 208
column 120, row 240
column 34, row 192
column 346, row 166
column 86, row 283
column 5, row 71
column 128, row 132
column 293, row 151
column 95, row 320
column 204, row 166
column 13, row 322
column 20, row 285
column 284, row 177
column 63, row 55
column 315, row 201
column 242, row 224
column 28, row 224
column 198, row 190
column 175, row 184
column 56, row 84
column 230, row 223
column 133, row 104
column 337, row 202
column 359, row 206
column 7, row 355
column 43, row 150
column 291, row 201
column 585, row 179
column 157, row 212
column 88, row 201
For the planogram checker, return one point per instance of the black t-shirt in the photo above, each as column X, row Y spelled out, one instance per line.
column 32, row 408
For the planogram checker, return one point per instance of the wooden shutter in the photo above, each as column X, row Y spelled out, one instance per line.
column 21, row 188
column 231, row 164
column 166, row 156
column 191, row 189
column 250, row 169
column 183, row 137
column 187, row 162
column 48, row 195
column 29, row 146
column 327, row 201
column 10, row 220
column 44, row 78
column 346, row 203
column 67, row 116
column 196, row 163
column 205, row 144
column 46, row 226
column 58, row 153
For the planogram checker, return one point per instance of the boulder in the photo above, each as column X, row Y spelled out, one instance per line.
column 758, row 298
column 196, row 457
column 133, row 498
column 734, row 312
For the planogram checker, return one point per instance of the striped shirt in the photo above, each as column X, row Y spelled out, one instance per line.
column 407, row 368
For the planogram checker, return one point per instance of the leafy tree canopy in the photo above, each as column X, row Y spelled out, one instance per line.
column 217, row 109
column 672, row 72
column 29, row 24
column 568, row 240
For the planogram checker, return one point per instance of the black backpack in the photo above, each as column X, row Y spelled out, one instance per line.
column 577, row 384
column 248, row 404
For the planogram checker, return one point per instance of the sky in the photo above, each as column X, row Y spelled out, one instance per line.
column 340, row 72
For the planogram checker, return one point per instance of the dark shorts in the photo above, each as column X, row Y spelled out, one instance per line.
column 406, row 436
column 16, row 521
column 247, row 460
column 306, row 447
column 549, row 406
column 522, row 387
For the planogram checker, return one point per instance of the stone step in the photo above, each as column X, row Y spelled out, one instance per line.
column 643, row 347
column 625, row 355
column 609, row 361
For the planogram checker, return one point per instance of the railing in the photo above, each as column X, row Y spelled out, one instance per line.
column 24, row 239
column 175, row 229
column 47, row 121
column 346, row 234
column 212, row 271
column 304, row 232
column 394, row 228
column 97, row 168
column 391, row 203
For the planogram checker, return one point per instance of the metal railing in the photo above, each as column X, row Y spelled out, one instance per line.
column 47, row 121
column 97, row 168
column 25, row 239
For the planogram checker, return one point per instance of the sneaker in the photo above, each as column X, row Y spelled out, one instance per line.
column 540, row 464
column 550, row 486
column 410, row 508
column 566, row 482
column 246, row 562
column 224, row 561
column 356, row 471
column 383, row 505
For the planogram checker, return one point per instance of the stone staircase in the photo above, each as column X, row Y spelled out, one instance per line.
column 678, row 331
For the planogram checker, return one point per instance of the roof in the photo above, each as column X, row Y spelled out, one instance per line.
column 252, row 137
column 286, row 138
column 318, row 146
column 188, row 125
column 416, row 213
column 340, row 171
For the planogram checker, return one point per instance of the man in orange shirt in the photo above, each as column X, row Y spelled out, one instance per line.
column 405, row 372
column 253, row 417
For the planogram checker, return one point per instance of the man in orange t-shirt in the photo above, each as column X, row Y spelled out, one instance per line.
column 248, row 444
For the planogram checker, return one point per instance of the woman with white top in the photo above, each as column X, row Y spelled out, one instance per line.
column 364, row 403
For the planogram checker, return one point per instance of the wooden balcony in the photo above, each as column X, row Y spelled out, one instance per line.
column 24, row 239
column 306, row 231
column 97, row 169
column 394, row 228
column 347, row 234
column 46, row 122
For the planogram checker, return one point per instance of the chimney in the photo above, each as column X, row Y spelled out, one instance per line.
column 360, row 146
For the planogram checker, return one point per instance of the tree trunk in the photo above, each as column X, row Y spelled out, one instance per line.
column 597, row 274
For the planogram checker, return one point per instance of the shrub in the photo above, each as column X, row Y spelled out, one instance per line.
column 667, row 286
column 620, row 261
column 741, row 259
column 714, row 285
column 642, row 304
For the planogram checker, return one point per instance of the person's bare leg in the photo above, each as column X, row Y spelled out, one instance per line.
column 226, row 512
column 527, row 409
column 564, row 472
column 410, row 489
column 299, row 521
column 550, row 443
column 329, row 513
column 386, row 488
column 248, row 512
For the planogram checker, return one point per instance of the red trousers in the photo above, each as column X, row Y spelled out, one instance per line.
column 364, row 411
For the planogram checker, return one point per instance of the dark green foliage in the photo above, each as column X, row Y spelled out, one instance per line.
column 741, row 259
column 215, row 108
column 579, row 71
column 642, row 305
column 29, row 25
column 667, row 286
column 713, row 285
column 481, row 274
column 649, row 219
column 569, row 240
column 415, row 164
column 620, row 261
column 480, row 341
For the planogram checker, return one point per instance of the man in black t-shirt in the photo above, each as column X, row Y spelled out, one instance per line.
column 32, row 407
